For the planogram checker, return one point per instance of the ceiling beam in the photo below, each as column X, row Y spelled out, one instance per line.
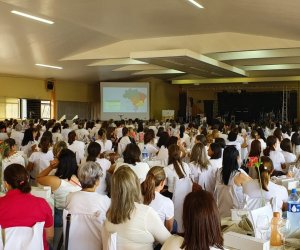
column 238, row 80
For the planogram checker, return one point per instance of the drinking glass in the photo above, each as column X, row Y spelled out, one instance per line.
column 284, row 229
column 263, row 226
column 291, row 171
column 242, row 206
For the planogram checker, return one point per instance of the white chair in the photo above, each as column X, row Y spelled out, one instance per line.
column 266, row 210
column 85, row 231
column 22, row 238
column 182, row 187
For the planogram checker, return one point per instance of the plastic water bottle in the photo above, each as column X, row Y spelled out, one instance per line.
column 293, row 213
column 145, row 154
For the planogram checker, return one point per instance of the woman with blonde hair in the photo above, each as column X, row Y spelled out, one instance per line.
column 137, row 226
column 201, row 170
column 151, row 187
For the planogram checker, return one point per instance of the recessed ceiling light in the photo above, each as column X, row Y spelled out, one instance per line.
column 32, row 17
column 48, row 66
column 196, row 4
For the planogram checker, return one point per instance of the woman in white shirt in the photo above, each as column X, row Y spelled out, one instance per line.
column 230, row 178
column 62, row 183
column 40, row 160
column 162, row 143
column 202, row 171
column 106, row 145
column 151, row 188
column 185, row 139
column 201, row 222
column 132, row 159
column 94, row 150
column 268, row 190
column 215, row 153
column 56, row 133
column 76, row 146
column 149, row 143
column 286, row 147
column 137, row 226
column 176, row 169
column 29, row 143
column 275, row 155
column 88, row 202
column 17, row 135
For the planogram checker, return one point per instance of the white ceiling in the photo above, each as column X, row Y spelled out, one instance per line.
column 97, row 40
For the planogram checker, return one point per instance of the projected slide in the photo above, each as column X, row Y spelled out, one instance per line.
column 125, row 99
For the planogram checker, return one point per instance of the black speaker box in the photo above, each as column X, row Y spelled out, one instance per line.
column 49, row 85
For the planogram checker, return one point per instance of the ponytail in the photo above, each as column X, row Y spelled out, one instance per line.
column 148, row 189
column 265, row 170
column 271, row 141
column 267, row 151
column 153, row 179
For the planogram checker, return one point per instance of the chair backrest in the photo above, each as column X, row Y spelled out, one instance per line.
column 22, row 238
column 266, row 210
column 85, row 231
column 182, row 187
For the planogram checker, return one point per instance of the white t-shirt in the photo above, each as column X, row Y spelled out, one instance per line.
column 163, row 206
column 289, row 157
column 140, row 168
column 206, row 177
column 3, row 136
column 252, row 189
column 141, row 231
column 171, row 175
column 41, row 161
column 16, row 158
column 60, row 194
column 163, row 155
column 18, row 137
column 82, row 135
column 216, row 162
column 107, row 146
column 277, row 159
column 152, row 150
column 122, row 144
column 236, row 144
column 105, row 165
column 56, row 137
column 175, row 242
column 186, row 139
column 65, row 132
column 82, row 202
column 78, row 148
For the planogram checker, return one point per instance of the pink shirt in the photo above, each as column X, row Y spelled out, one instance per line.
column 19, row 209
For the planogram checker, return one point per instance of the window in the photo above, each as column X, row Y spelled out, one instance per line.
column 45, row 109
column 9, row 108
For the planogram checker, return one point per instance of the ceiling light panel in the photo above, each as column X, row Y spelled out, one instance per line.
column 194, row 2
column 39, row 19
column 48, row 66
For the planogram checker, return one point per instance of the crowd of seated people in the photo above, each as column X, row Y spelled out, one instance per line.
column 96, row 168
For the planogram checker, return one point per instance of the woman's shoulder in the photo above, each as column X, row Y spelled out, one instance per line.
column 174, row 242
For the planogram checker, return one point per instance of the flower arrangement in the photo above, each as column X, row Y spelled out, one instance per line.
column 256, row 162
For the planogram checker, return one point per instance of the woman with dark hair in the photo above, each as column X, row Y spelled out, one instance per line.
column 275, row 155
column 106, row 144
column 40, row 160
column 56, row 133
column 94, row 151
column 185, row 139
column 286, row 147
column 76, row 146
column 29, row 142
column 149, row 143
column 162, row 143
column 10, row 155
column 264, row 188
column 201, row 169
column 278, row 134
column 176, row 169
column 215, row 154
column 229, row 180
column 255, row 151
column 18, row 208
column 296, row 143
column 151, row 188
column 201, row 222
column 132, row 158
column 63, row 182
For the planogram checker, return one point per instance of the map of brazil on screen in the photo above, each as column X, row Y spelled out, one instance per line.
column 125, row 100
